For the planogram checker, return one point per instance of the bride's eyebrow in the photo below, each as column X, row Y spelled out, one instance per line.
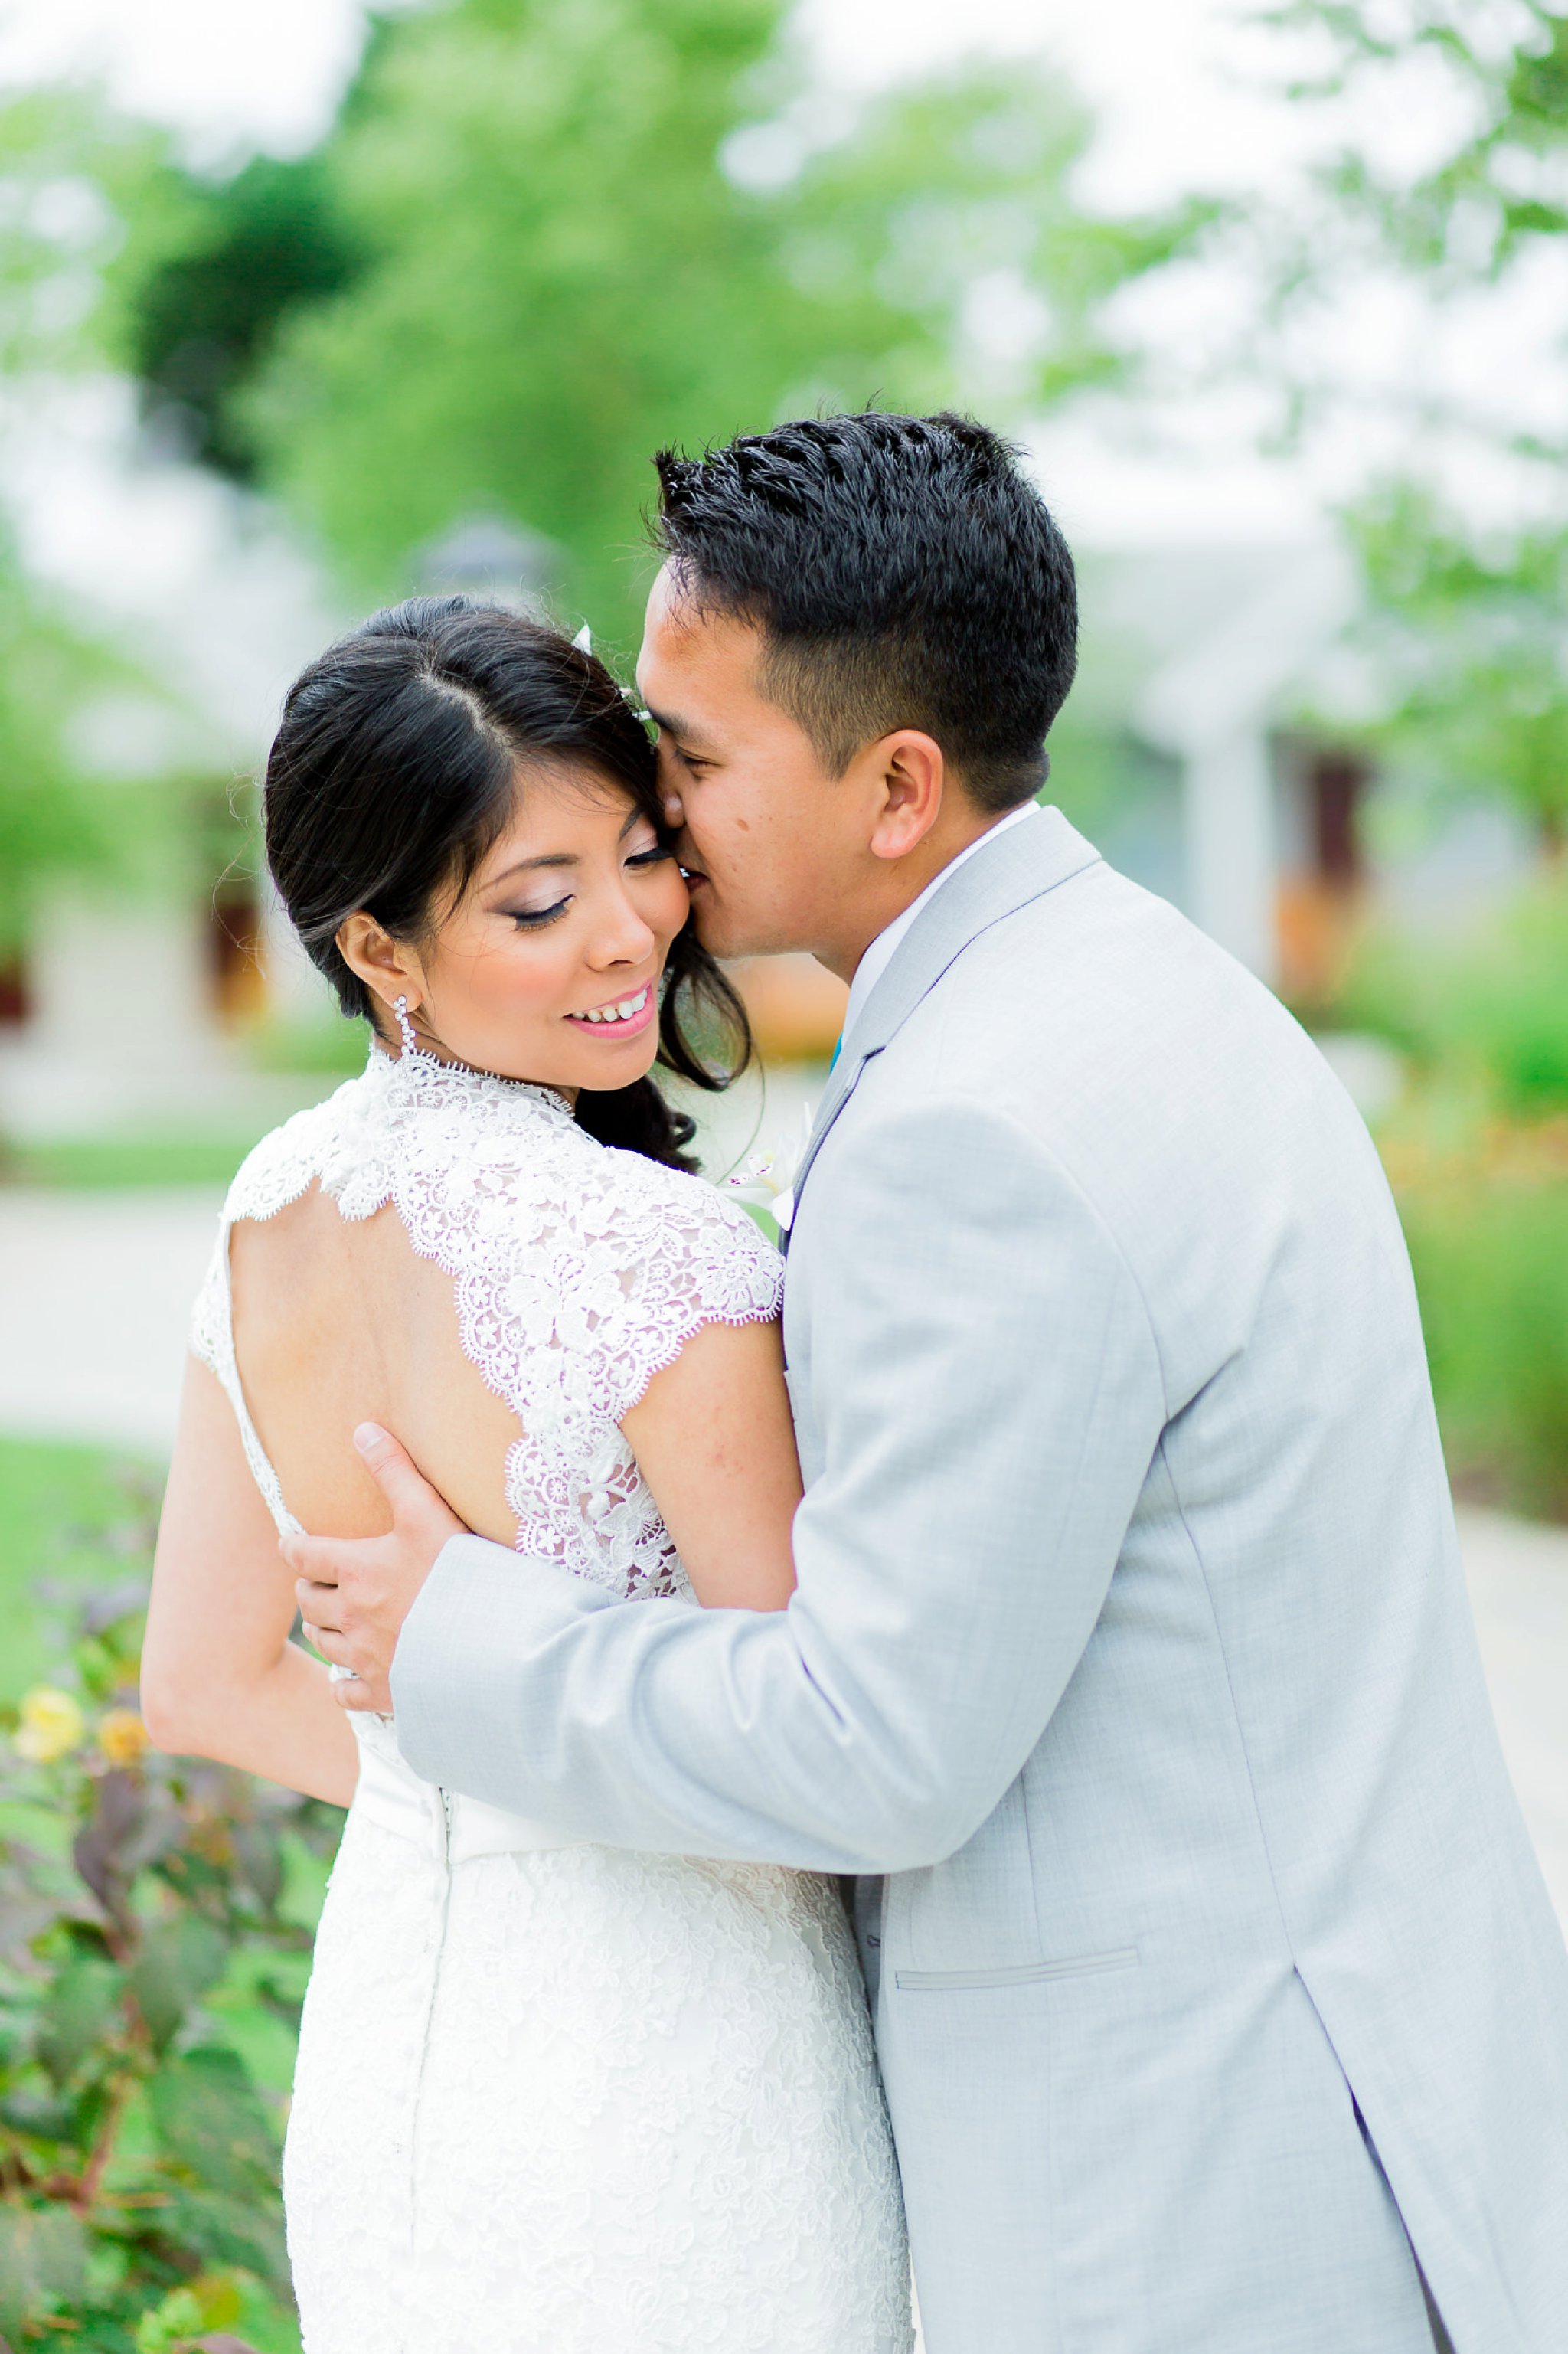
column 559, row 857
column 527, row 865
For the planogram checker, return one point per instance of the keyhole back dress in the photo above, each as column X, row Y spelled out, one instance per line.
column 552, row 2098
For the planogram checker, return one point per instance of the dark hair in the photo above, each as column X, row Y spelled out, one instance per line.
column 904, row 574
column 393, row 772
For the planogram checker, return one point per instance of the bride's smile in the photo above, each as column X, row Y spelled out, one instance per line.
column 543, row 964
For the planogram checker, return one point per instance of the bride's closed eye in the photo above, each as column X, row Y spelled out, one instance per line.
column 530, row 920
column 533, row 919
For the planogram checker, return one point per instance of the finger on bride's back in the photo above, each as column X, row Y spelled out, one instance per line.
column 312, row 1559
column 319, row 1605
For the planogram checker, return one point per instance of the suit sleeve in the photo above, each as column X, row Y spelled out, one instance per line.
column 989, row 1394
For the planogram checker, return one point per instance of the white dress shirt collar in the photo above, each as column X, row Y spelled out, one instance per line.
column 876, row 959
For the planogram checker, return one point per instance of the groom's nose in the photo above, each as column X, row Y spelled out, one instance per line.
column 675, row 810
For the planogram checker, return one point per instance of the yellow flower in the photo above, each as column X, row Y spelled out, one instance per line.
column 122, row 1736
column 51, row 1725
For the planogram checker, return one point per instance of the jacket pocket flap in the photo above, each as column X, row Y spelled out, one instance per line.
column 1124, row 1957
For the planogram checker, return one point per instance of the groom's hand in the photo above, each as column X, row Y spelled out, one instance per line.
column 355, row 1592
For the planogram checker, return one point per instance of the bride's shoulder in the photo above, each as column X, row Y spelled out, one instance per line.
column 323, row 1139
column 681, row 1202
column 647, row 1253
column 605, row 1195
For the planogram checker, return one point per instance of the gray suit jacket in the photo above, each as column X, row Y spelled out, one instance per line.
column 1131, row 1646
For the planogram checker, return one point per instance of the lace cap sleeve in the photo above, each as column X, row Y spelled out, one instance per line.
column 208, row 1333
column 273, row 1174
column 665, row 1255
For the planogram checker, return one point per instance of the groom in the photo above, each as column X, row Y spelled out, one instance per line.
column 1218, row 1998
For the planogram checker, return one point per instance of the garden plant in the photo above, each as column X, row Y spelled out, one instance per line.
column 153, row 1946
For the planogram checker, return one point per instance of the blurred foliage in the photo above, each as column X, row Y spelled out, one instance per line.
column 543, row 241
column 325, row 1042
column 1478, row 1154
column 1484, row 1207
column 139, row 2208
column 207, row 275
column 1501, row 182
column 1471, row 621
column 53, row 819
column 67, row 1512
column 69, row 175
column 1488, row 1016
column 114, row 1163
column 1476, row 634
column 538, row 243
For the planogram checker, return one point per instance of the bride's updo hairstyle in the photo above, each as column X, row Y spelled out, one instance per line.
column 396, row 769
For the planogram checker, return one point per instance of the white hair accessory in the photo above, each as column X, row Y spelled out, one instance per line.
column 584, row 639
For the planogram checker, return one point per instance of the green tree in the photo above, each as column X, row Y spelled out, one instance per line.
column 53, row 820
column 68, row 174
column 1471, row 618
column 1502, row 183
column 1477, row 633
column 213, row 269
column 566, row 236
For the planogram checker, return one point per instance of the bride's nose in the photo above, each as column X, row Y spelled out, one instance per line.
column 622, row 936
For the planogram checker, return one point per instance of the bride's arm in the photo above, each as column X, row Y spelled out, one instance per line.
column 714, row 1439
column 219, row 1676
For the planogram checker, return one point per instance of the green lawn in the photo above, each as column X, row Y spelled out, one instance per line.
column 102, row 1163
column 79, row 1515
column 314, row 1053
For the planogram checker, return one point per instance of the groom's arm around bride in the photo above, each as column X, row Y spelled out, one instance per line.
column 1130, row 1659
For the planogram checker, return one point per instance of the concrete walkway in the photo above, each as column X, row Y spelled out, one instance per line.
column 1519, row 1584
column 95, row 1298
column 95, row 1292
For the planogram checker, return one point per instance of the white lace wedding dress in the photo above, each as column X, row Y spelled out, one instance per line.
column 554, row 2098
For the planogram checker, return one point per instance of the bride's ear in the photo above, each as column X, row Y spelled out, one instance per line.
column 389, row 969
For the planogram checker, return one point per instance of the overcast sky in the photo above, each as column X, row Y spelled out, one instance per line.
column 1188, row 95
column 1177, row 81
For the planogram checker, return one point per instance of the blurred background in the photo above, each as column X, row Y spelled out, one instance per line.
column 308, row 305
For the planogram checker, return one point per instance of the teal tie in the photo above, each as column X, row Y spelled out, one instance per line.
column 837, row 1050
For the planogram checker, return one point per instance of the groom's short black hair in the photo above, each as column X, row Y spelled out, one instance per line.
column 903, row 573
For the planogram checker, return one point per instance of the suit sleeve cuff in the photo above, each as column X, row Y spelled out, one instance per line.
column 479, row 1602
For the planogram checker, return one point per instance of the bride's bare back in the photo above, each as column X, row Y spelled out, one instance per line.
column 339, row 1321
column 629, row 1423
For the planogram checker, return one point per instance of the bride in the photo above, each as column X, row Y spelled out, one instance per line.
column 550, row 2099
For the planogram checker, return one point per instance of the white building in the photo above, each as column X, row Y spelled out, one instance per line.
column 1232, row 678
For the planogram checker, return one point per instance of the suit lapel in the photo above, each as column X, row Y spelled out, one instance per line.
column 1001, row 877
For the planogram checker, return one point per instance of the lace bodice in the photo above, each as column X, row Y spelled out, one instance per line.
column 580, row 1271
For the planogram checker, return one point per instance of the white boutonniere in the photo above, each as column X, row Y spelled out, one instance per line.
column 768, row 1178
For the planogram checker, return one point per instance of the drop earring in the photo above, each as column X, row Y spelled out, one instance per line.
column 405, row 1027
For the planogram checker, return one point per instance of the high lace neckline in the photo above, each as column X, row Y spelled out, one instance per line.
column 417, row 1077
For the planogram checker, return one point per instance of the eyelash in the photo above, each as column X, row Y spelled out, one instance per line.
column 534, row 919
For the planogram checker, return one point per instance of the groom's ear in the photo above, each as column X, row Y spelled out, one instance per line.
column 908, row 775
